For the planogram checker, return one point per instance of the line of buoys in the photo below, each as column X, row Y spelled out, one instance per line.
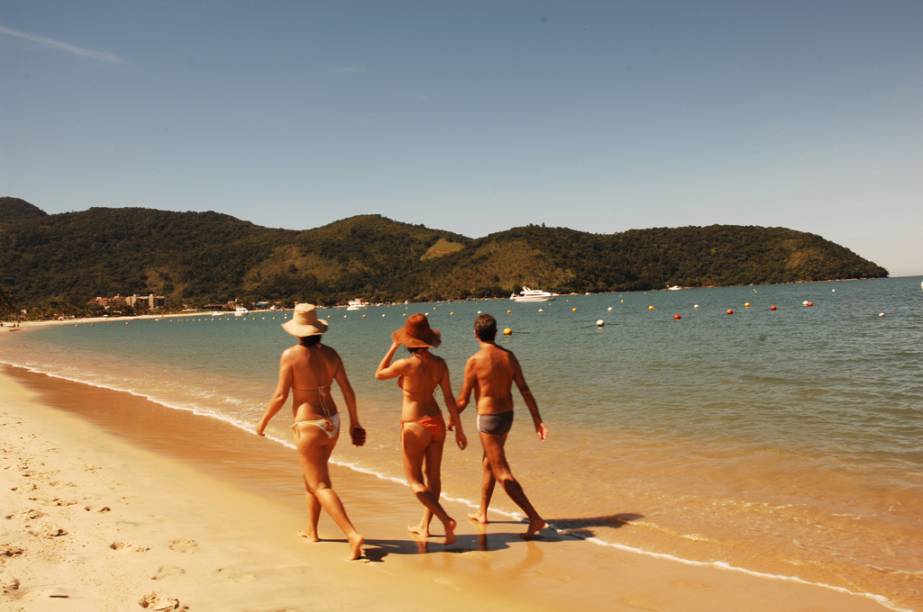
column 507, row 331
column 677, row 316
column 600, row 323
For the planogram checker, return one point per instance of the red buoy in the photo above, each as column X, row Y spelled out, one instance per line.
column 808, row 304
column 730, row 311
column 773, row 308
column 677, row 316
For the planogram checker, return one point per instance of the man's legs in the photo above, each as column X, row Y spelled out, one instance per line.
column 496, row 456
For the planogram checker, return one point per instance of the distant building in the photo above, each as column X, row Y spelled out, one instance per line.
column 150, row 301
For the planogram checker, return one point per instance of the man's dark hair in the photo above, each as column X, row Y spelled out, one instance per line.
column 310, row 340
column 485, row 327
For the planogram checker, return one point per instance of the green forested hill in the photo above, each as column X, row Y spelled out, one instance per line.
column 193, row 258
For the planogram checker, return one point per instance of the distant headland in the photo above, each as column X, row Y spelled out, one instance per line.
column 61, row 262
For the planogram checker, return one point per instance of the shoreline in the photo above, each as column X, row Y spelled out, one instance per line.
column 562, row 555
column 24, row 325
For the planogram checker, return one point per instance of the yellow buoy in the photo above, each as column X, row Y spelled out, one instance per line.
column 746, row 304
column 621, row 301
column 600, row 323
column 507, row 331
column 651, row 308
column 609, row 309
column 509, row 311
column 573, row 309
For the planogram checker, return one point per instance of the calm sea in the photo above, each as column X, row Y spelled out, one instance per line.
column 788, row 442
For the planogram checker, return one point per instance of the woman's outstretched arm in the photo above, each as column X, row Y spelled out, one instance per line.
column 279, row 395
column 348, row 394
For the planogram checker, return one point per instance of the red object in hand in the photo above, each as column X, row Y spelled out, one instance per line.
column 730, row 311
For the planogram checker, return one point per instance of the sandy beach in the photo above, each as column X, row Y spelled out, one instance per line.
column 114, row 502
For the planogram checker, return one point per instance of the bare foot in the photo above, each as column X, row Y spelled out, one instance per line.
column 535, row 525
column 310, row 536
column 420, row 530
column 479, row 517
column 450, row 532
column 355, row 546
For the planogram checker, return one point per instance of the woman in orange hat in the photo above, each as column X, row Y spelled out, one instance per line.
column 307, row 370
column 423, row 430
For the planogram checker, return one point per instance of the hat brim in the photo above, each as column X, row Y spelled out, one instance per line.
column 433, row 339
column 300, row 330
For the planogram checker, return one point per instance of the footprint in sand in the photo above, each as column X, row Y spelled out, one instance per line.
column 166, row 571
column 8, row 550
column 33, row 514
column 159, row 602
column 235, row 575
column 11, row 586
column 183, row 545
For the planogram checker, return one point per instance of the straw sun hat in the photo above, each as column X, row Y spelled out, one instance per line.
column 417, row 333
column 304, row 322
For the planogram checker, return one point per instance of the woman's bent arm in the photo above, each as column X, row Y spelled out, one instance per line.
column 279, row 395
column 385, row 369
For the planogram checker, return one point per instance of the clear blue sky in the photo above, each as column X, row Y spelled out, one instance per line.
column 476, row 116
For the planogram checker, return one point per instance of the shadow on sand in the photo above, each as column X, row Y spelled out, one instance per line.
column 559, row 530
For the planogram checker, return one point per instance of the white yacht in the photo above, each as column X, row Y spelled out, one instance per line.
column 674, row 288
column 532, row 295
column 357, row 304
column 240, row 311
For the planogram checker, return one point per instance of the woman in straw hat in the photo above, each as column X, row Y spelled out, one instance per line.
column 423, row 430
column 307, row 370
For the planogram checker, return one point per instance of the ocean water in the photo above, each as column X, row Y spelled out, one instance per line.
column 785, row 442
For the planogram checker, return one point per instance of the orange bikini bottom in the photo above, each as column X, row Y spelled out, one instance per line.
column 434, row 425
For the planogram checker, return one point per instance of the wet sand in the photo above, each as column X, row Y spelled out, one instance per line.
column 109, row 498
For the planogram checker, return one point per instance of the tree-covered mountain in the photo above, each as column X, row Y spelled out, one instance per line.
column 194, row 258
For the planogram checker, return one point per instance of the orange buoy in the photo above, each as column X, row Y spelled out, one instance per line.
column 746, row 304
column 773, row 308
column 729, row 311
column 677, row 316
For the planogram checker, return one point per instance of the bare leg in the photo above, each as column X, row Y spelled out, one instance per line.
column 432, row 470
column 415, row 440
column 487, row 490
column 313, row 506
column 493, row 448
column 314, row 449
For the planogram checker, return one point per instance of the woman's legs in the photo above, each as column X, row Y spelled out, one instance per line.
column 313, row 507
column 432, row 470
column 314, row 449
column 415, row 440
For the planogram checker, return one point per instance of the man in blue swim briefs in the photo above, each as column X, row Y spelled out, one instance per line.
column 490, row 373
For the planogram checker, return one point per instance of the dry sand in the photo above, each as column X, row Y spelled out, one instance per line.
column 113, row 502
